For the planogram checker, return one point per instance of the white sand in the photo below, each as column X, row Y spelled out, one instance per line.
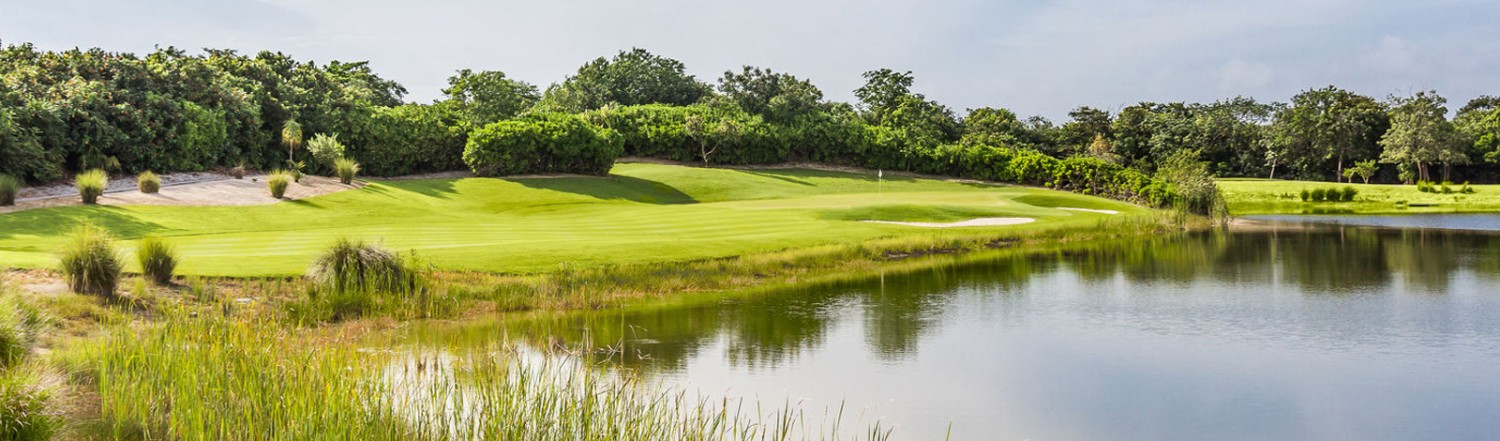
column 1090, row 210
column 201, row 192
column 977, row 222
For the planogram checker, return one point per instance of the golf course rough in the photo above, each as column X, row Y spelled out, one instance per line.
column 640, row 213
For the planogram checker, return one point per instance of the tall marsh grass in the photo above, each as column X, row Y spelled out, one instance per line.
column 26, row 408
column 89, row 262
column 200, row 378
column 158, row 259
column 353, row 278
column 91, row 185
column 148, row 182
column 10, row 186
column 277, row 182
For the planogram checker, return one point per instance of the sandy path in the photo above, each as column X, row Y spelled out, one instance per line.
column 216, row 192
column 1090, row 210
column 976, row 222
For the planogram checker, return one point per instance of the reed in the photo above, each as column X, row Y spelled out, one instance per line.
column 345, row 168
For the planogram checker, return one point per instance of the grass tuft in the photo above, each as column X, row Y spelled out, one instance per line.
column 351, row 265
column 148, row 182
column 346, row 169
column 91, row 185
column 89, row 263
column 9, row 187
column 157, row 258
column 277, row 182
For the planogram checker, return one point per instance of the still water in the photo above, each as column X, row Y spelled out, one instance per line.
column 1339, row 333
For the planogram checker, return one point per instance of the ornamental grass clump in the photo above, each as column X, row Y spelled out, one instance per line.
column 20, row 323
column 346, row 169
column 157, row 258
column 91, row 185
column 9, row 187
column 89, row 262
column 148, row 182
column 357, row 266
column 277, row 182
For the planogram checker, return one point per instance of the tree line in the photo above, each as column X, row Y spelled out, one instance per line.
column 67, row 111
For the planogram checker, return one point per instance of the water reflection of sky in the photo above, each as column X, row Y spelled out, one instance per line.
column 1453, row 221
column 1332, row 334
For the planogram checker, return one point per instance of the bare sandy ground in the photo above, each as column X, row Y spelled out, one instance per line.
column 1089, row 210
column 223, row 191
column 976, row 222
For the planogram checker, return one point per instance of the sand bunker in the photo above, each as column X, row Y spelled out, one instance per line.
column 1090, row 210
column 223, row 191
column 976, row 222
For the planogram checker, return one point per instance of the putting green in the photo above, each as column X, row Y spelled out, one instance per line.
column 640, row 213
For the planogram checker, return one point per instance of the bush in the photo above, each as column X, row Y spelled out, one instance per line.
column 1446, row 188
column 346, row 169
column 1349, row 193
column 1306, row 195
column 91, row 185
column 277, row 182
column 546, row 143
column 325, row 148
column 148, row 182
column 89, row 263
column 1465, row 190
column 157, row 258
column 9, row 187
column 356, row 266
column 1318, row 195
column 410, row 138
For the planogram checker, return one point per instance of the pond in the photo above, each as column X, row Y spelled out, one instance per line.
column 1307, row 333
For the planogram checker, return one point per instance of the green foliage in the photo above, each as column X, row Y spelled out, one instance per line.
column 20, row 325
column 158, row 259
column 1347, row 195
column 91, row 185
column 9, row 187
column 148, row 182
column 411, row 138
column 277, row 181
column 777, row 97
column 488, row 96
column 1306, row 195
column 629, row 78
column 1421, row 134
column 1325, row 129
column 1319, row 195
column 542, row 143
column 89, row 262
column 1364, row 169
column 1193, row 186
column 325, row 148
column 345, row 168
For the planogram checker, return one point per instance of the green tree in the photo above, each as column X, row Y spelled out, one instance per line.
column 291, row 137
column 1086, row 125
column 1364, row 169
column 488, row 96
column 1421, row 135
column 886, row 100
column 1479, row 122
column 629, row 78
column 778, row 97
column 1330, row 124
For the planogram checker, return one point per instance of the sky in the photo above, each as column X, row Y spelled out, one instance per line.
column 1034, row 57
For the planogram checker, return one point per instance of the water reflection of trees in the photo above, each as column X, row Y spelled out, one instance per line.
column 895, row 311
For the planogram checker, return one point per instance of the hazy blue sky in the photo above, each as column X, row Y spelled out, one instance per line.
column 1034, row 57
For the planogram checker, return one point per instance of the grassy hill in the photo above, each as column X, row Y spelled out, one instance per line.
column 640, row 213
column 1266, row 196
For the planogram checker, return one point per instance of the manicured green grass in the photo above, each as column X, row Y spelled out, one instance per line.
column 642, row 213
column 1264, row 196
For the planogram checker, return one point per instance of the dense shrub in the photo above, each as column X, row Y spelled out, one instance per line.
column 325, row 149
column 546, row 143
column 91, row 185
column 157, row 259
column 1306, row 195
column 277, row 182
column 345, row 169
column 1347, row 195
column 408, row 139
column 148, row 182
column 9, row 187
column 89, row 263
column 1318, row 194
